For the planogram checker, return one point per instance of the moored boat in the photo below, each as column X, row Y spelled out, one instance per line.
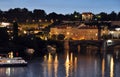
column 12, row 61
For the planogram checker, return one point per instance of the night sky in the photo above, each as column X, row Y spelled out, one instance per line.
column 63, row 6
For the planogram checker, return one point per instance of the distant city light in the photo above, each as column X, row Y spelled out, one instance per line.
column 118, row 29
column 30, row 51
column 4, row 24
column 25, row 32
column 109, row 40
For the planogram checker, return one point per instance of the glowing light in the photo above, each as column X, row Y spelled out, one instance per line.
column 103, row 67
column 67, row 65
column 49, row 65
column 25, row 32
column 68, row 33
column 56, row 66
column 71, row 57
column 36, row 31
column 8, row 70
column 109, row 42
column 49, row 58
column 111, row 32
column 118, row 29
column 8, row 61
column 40, row 20
column 30, row 51
column 67, row 59
column 112, row 67
column 75, row 66
column 4, row 24
column 56, row 59
column 45, row 58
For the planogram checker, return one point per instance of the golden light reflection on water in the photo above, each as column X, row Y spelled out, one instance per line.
column 56, row 66
column 71, row 57
column 75, row 66
column 8, row 70
column 49, row 58
column 67, row 62
column 111, row 67
column 71, row 65
column 103, row 67
column 45, row 58
column 45, row 66
column 51, row 64
column 56, row 59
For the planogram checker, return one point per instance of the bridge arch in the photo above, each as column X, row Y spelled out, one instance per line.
column 84, row 44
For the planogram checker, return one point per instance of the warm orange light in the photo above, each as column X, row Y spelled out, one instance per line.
column 56, row 59
column 111, row 67
column 67, row 65
column 49, row 58
column 103, row 67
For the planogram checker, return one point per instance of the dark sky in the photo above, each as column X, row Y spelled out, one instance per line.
column 64, row 6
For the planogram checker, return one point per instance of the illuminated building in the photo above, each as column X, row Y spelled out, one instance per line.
column 86, row 16
column 76, row 33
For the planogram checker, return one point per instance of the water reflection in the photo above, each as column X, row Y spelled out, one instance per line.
column 67, row 65
column 103, row 67
column 56, row 66
column 50, row 66
column 111, row 67
column 10, row 72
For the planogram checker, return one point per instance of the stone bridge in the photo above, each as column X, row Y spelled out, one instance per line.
column 74, row 44
column 104, row 45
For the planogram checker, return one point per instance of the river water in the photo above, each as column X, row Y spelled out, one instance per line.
column 67, row 64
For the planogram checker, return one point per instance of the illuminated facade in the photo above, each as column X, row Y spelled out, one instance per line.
column 82, row 33
column 86, row 16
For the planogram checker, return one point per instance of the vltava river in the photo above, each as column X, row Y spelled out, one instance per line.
column 66, row 64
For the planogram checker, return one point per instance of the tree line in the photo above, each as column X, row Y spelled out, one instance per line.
column 39, row 15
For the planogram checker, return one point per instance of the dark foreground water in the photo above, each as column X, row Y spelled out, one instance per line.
column 67, row 65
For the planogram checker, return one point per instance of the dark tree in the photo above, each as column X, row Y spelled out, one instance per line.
column 118, row 17
column 1, row 15
column 103, row 16
column 76, row 16
column 39, row 14
column 53, row 16
column 112, row 16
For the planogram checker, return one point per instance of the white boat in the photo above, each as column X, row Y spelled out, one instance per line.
column 16, row 61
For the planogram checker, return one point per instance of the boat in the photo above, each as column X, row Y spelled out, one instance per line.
column 16, row 61
column 12, row 61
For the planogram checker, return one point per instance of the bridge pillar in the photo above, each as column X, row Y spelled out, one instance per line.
column 66, row 45
column 83, row 48
column 59, row 46
column 74, row 48
column 104, row 47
